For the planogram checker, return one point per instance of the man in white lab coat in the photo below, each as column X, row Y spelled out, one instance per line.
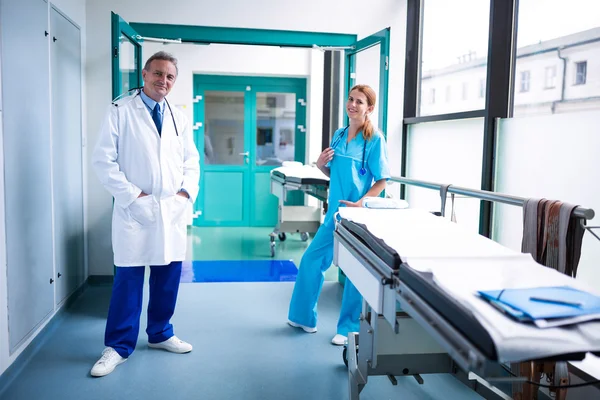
column 146, row 158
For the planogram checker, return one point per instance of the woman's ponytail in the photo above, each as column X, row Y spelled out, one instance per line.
column 367, row 128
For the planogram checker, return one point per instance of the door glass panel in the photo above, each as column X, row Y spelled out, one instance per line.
column 367, row 73
column 128, row 64
column 275, row 128
column 224, row 128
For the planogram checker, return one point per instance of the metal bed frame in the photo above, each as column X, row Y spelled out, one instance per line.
column 423, row 341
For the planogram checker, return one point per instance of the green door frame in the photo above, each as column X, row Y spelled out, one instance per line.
column 381, row 38
column 120, row 27
column 270, row 37
column 262, row 37
column 255, row 85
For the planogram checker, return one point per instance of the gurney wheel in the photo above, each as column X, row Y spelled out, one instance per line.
column 345, row 354
column 282, row 236
column 304, row 236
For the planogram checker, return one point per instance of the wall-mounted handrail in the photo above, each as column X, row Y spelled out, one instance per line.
column 580, row 212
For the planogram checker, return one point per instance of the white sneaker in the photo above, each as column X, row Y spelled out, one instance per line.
column 173, row 344
column 339, row 340
column 107, row 363
column 306, row 328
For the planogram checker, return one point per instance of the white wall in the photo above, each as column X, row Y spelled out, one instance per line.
column 555, row 157
column 75, row 11
column 311, row 15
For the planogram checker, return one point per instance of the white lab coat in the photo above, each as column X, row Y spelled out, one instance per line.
column 131, row 157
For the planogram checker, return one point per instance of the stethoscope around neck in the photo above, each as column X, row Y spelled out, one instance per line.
column 139, row 91
column 338, row 139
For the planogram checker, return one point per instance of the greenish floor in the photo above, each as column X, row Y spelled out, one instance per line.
column 229, row 243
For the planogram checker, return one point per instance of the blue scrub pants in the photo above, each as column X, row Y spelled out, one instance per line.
column 123, row 323
column 309, row 282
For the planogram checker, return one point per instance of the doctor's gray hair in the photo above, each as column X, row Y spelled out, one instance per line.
column 162, row 55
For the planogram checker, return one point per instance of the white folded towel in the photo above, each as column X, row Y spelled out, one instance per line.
column 379, row 202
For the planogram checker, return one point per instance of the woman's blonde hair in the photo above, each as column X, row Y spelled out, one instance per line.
column 367, row 127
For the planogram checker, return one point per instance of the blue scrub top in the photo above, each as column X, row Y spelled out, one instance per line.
column 345, row 180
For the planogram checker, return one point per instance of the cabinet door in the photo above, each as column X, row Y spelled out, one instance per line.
column 27, row 165
column 65, row 67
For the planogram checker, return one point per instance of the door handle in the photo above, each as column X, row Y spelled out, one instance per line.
column 246, row 157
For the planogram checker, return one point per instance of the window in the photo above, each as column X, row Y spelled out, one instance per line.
column 481, row 88
column 465, row 90
column 555, row 42
column 448, row 94
column 550, row 79
column 432, row 96
column 454, row 47
column 525, row 76
column 580, row 72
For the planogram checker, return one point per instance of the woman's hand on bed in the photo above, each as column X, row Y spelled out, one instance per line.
column 325, row 157
column 352, row 203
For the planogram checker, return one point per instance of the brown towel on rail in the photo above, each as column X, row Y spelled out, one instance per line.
column 571, row 239
column 551, row 236
column 530, row 227
column 533, row 227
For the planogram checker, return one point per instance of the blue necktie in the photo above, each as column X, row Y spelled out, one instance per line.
column 156, row 118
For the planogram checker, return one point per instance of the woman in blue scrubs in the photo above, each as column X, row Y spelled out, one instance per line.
column 357, row 165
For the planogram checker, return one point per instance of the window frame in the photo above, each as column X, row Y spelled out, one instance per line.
column 577, row 73
column 522, row 81
column 552, row 84
column 499, row 90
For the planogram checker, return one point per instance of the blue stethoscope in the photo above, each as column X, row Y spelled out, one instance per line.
column 139, row 91
column 338, row 139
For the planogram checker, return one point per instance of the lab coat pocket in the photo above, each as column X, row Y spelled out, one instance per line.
column 143, row 210
column 179, row 209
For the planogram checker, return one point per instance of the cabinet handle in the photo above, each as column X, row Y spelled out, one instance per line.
column 51, row 281
column 59, row 274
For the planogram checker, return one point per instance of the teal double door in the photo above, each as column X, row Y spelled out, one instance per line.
column 244, row 127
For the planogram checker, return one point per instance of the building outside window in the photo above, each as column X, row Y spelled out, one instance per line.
column 580, row 72
column 453, row 55
column 525, row 79
column 550, row 79
column 556, row 43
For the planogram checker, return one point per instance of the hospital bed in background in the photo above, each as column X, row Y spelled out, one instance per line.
column 417, row 274
column 294, row 176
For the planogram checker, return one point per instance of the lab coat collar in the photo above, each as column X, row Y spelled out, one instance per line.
column 151, row 103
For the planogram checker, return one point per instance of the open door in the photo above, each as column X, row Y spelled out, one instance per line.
column 367, row 62
column 126, row 56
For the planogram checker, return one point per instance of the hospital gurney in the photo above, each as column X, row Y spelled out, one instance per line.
column 412, row 259
column 298, row 219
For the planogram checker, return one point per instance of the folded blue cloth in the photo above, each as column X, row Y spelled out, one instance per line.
column 544, row 302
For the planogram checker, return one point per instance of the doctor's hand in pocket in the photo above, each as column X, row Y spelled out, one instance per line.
column 325, row 157
column 352, row 203
column 144, row 209
column 183, row 194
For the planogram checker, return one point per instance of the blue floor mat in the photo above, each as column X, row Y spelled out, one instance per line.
column 239, row 271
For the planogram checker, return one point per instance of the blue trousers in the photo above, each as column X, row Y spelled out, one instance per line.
column 309, row 282
column 123, row 323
